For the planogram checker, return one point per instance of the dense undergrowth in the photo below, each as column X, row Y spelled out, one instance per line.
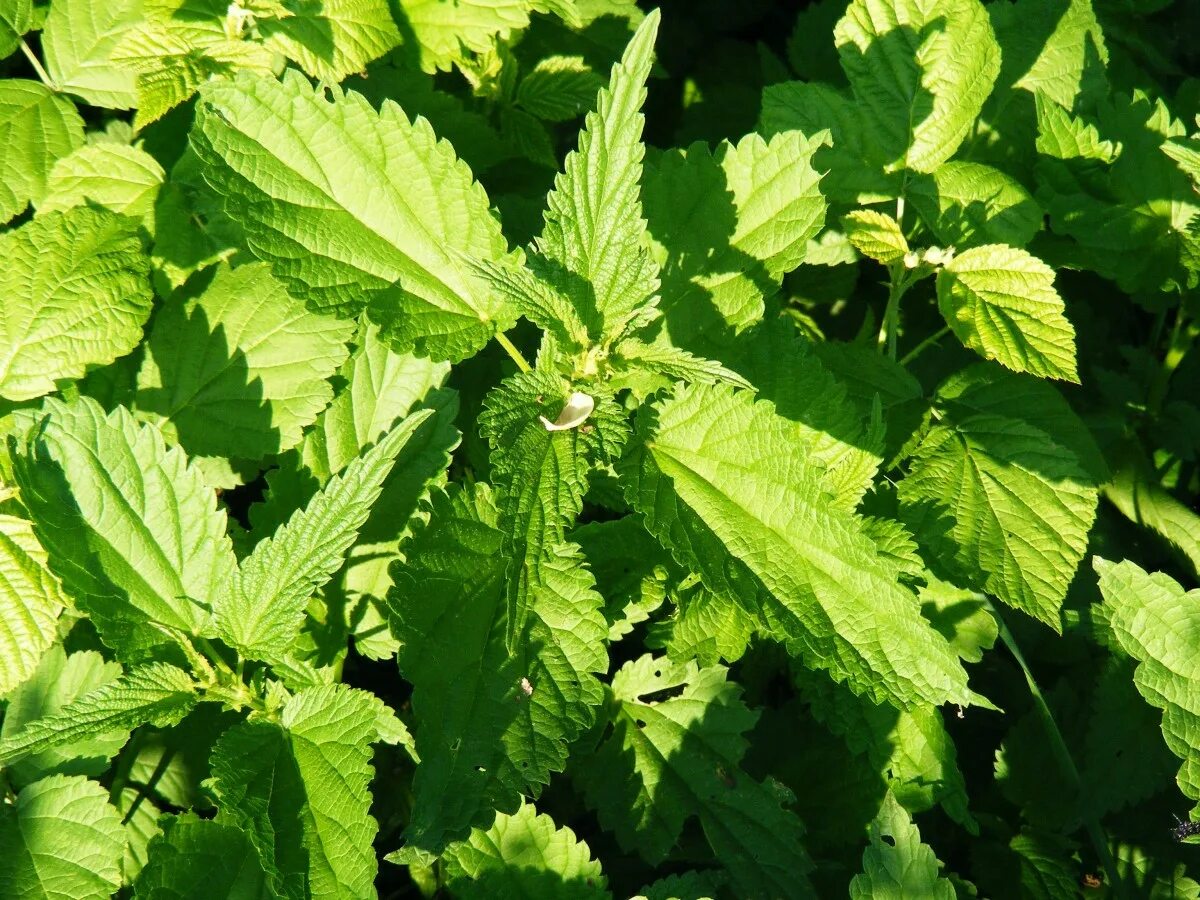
column 562, row 449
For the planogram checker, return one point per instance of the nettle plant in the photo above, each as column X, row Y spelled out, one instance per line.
column 586, row 547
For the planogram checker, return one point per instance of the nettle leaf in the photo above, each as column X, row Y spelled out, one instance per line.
column 558, row 88
column 594, row 242
column 1062, row 135
column 60, row 680
column 130, row 527
column 16, row 18
column 1153, row 620
column 726, row 484
column 896, row 863
column 119, row 177
column 61, row 840
column 668, row 760
column 333, row 39
column 79, row 40
column 156, row 694
column 523, row 855
column 726, row 226
column 382, row 216
column 490, row 725
column 967, row 203
column 920, row 72
column 1054, row 48
column 199, row 859
column 300, row 789
column 31, row 599
column 76, row 291
column 1002, row 492
column 446, row 32
column 37, row 128
column 876, row 235
column 241, row 369
column 261, row 611
column 1001, row 301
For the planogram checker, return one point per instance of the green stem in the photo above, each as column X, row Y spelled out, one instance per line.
column 1177, row 348
column 888, row 329
column 37, row 66
column 511, row 348
column 215, row 658
column 1062, row 756
column 924, row 345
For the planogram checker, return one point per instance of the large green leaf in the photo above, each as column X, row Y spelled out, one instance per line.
column 445, row 33
column 118, row 177
column 198, row 859
column 490, row 725
column 16, row 18
column 79, row 40
column 30, row 601
column 332, row 39
column 60, row 840
column 300, row 789
column 968, row 203
column 380, row 213
column 668, row 760
column 726, row 483
column 37, row 127
column 76, row 294
column 241, row 369
column 130, row 527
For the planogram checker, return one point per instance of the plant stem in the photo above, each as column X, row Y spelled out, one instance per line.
column 891, row 315
column 1062, row 755
column 215, row 658
column 924, row 345
column 1177, row 348
column 511, row 348
column 37, row 66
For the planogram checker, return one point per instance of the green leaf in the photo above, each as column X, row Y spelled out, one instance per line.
column 241, row 369
column 37, row 128
column 1153, row 620
column 1136, row 491
column 673, row 364
column 130, row 527
column 524, row 856
column 198, row 859
column 263, row 609
column 446, row 32
column 1002, row 493
column 300, row 789
column 157, row 694
column 876, row 235
column 60, row 840
column 140, row 818
column 59, row 681
column 16, row 18
column 558, row 88
column 30, row 600
column 967, row 204
column 350, row 222
column 333, row 39
column 669, row 760
column 1064, row 136
column 725, row 483
column 79, row 41
column 594, row 239
column 920, row 71
column 896, row 864
column 118, row 177
column 630, row 567
column 489, row 725
column 77, row 294
column 1001, row 302
column 1053, row 47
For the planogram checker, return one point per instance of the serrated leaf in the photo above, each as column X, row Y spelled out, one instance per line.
column 16, row 18
column 896, row 863
column 876, row 235
column 263, row 608
column 30, row 600
column 1056, row 48
column 446, row 32
column 37, row 128
column 630, row 567
column 157, row 694
column 921, row 72
column 668, row 760
column 76, row 295
column 1002, row 492
column 523, row 856
column 198, row 859
column 558, row 88
column 130, row 528
column 967, row 204
column 725, row 484
column 60, row 840
column 300, row 789
column 489, row 725
column 352, row 223
column 241, row 369
column 1137, row 492
column 595, row 237
column 1001, row 301
column 118, row 177
column 673, row 364
column 333, row 39
column 79, row 41
column 1064, row 136
column 61, row 679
